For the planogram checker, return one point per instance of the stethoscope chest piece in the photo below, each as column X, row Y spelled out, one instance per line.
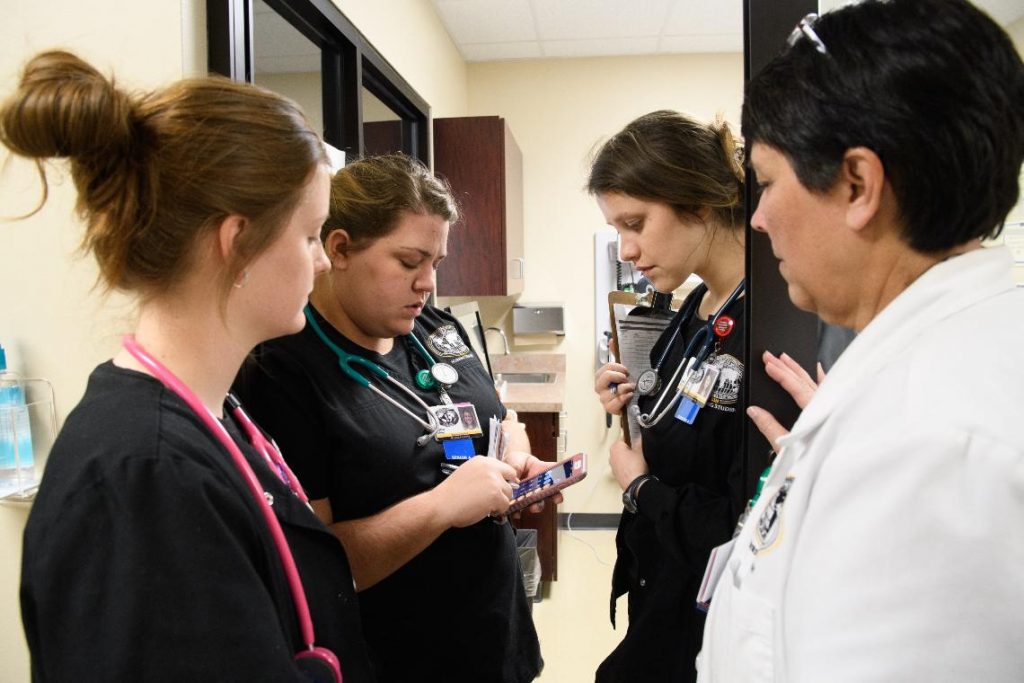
column 444, row 374
column 648, row 383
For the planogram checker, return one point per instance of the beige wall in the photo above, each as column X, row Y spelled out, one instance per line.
column 559, row 110
column 57, row 328
column 305, row 87
column 424, row 55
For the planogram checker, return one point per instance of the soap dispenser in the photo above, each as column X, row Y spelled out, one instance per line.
column 16, row 461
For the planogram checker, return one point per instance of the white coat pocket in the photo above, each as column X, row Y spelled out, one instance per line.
column 739, row 642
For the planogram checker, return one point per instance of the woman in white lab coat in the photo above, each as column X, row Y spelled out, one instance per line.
column 886, row 544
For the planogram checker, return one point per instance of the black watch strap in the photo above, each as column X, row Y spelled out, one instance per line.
column 629, row 495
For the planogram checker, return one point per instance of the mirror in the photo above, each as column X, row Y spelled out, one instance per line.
column 382, row 126
column 287, row 62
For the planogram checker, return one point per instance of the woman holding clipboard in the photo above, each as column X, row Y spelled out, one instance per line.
column 673, row 190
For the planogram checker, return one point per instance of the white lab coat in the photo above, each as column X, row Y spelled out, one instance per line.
column 897, row 553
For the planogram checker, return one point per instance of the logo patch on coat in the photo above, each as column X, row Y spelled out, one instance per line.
column 769, row 525
column 446, row 343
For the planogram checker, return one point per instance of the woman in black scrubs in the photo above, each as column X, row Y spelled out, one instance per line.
column 673, row 190
column 441, row 591
column 151, row 553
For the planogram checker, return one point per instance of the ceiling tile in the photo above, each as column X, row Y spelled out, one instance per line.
column 493, row 21
column 576, row 19
column 596, row 47
column 485, row 52
column 690, row 17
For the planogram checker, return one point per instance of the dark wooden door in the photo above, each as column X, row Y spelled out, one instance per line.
column 542, row 428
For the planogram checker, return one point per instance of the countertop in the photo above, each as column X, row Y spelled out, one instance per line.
column 532, row 398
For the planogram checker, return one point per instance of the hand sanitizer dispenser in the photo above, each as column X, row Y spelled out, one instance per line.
column 16, row 458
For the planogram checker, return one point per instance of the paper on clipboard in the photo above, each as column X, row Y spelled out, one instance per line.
column 634, row 332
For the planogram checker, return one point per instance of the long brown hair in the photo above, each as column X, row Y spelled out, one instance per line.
column 156, row 171
column 668, row 157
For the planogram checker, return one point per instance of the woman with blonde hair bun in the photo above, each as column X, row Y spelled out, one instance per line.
column 168, row 541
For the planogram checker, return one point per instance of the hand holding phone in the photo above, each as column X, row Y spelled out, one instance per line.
column 548, row 482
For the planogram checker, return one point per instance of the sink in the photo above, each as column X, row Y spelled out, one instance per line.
column 525, row 377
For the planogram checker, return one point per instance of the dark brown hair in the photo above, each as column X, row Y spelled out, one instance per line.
column 156, row 171
column 935, row 88
column 369, row 196
column 668, row 157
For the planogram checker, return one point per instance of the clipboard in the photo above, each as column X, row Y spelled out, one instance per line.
column 635, row 326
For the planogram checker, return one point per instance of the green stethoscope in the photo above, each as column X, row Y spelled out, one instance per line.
column 437, row 375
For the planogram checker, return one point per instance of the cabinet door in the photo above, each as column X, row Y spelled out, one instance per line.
column 479, row 158
column 542, row 429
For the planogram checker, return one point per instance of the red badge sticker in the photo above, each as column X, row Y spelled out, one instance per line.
column 724, row 325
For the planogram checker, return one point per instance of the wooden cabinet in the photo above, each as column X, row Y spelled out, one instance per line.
column 482, row 163
column 542, row 428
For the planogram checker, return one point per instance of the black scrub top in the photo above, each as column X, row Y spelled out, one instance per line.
column 146, row 557
column 693, row 507
column 458, row 610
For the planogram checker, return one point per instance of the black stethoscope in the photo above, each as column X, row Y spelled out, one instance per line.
column 693, row 358
column 436, row 375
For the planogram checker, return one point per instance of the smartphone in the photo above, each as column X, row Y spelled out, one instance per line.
column 548, row 482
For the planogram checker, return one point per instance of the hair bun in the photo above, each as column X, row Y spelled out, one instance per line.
column 731, row 149
column 63, row 107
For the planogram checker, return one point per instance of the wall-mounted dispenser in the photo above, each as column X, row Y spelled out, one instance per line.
column 28, row 426
column 538, row 323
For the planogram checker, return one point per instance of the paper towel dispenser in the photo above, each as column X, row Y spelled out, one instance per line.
column 538, row 319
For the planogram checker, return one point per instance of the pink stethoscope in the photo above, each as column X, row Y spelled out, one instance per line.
column 320, row 659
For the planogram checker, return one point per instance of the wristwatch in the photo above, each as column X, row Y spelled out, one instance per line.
column 629, row 495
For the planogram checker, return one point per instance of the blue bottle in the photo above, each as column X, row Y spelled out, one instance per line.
column 16, row 462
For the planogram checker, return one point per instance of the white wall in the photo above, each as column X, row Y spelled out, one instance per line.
column 559, row 111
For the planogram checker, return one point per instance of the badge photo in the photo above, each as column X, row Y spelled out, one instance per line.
column 456, row 421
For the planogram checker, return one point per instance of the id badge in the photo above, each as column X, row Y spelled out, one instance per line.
column 701, row 383
column 455, row 421
column 696, row 389
column 713, row 573
column 498, row 445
